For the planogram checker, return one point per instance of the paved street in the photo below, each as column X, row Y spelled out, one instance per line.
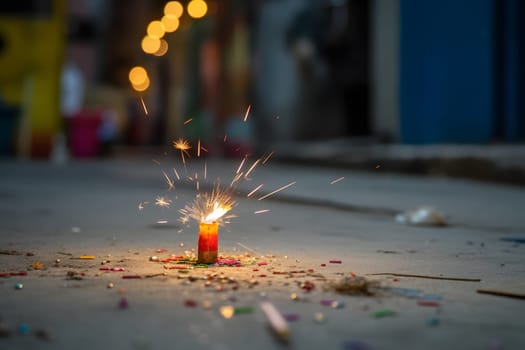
column 50, row 212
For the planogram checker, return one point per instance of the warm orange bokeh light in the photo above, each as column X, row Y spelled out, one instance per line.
column 156, row 29
column 141, row 87
column 174, row 8
column 170, row 22
column 138, row 75
column 162, row 49
column 197, row 8
column 150, row 45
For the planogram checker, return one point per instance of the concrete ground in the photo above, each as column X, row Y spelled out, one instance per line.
column 50, row 212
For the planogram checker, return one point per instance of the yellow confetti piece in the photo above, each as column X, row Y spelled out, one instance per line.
column 37, row 265
column 87, row 257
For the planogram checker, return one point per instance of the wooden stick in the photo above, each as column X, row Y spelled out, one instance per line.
column 427, row 276
column 501, row 293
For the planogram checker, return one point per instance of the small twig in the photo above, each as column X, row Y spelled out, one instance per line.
column 427, row 276
column 501, row 293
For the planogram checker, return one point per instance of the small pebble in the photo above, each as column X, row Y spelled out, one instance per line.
column 294, row 296
column 154, row 258
column 58, row 261
column 181, row 245
column 110, row 285
column 19, row 286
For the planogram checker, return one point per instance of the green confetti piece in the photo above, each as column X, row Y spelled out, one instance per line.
column 243, row 310
column 384, row 313
column 184, row 271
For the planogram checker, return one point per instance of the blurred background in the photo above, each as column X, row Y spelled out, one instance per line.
column 322, row 78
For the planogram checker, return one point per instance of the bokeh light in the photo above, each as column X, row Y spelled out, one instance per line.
column 197, row 8
column 156, row 29
column 138, row 75
column 141, row 87
column 170, row 22
column 174, row 8
column 162, row 49
column 150, row 45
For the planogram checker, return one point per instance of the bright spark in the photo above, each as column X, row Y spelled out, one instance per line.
column 225, row 138
column 162, row 222
column 176, row 174
column 183, row 146
column 277, row 190
column 205, row 169
column 245, row 247
column 144, row 105
column 261, row 211
column 188, row 121
column 162, row 202
column 208, row 207
column 267, row 157
column 199, row 148
column 254, row 190
column 236, row 178
column 240, row 165
column 169, row 182
column 155, row 161
column 337, row 180
column 142, row 204
column 247, row 112
column 252, row 167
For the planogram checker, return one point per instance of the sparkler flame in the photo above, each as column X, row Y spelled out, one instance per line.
column 210, row 207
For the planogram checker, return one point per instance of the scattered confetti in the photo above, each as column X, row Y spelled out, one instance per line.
column 241, row 310
column 319, row 317
column 384, row 313
column 24, row 329
column 335, row 261
column 428, row 303
column 123, row 303
column 433, row 322
column 190, row 303
column 291, row 317
column 87, row 257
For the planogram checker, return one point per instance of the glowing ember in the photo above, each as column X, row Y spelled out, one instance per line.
column 261, row 211
column 268, row 157
column 183, row 146
column 336, row 180
column 277, row 190
column 254, row 190
column 144, row 105
column 247, row 113
column 162, row 202
column 188, row 121
column 169, row 182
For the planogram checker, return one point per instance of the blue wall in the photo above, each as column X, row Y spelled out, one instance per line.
column 447, row 71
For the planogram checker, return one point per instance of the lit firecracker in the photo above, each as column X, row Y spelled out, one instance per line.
column 212, row 209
